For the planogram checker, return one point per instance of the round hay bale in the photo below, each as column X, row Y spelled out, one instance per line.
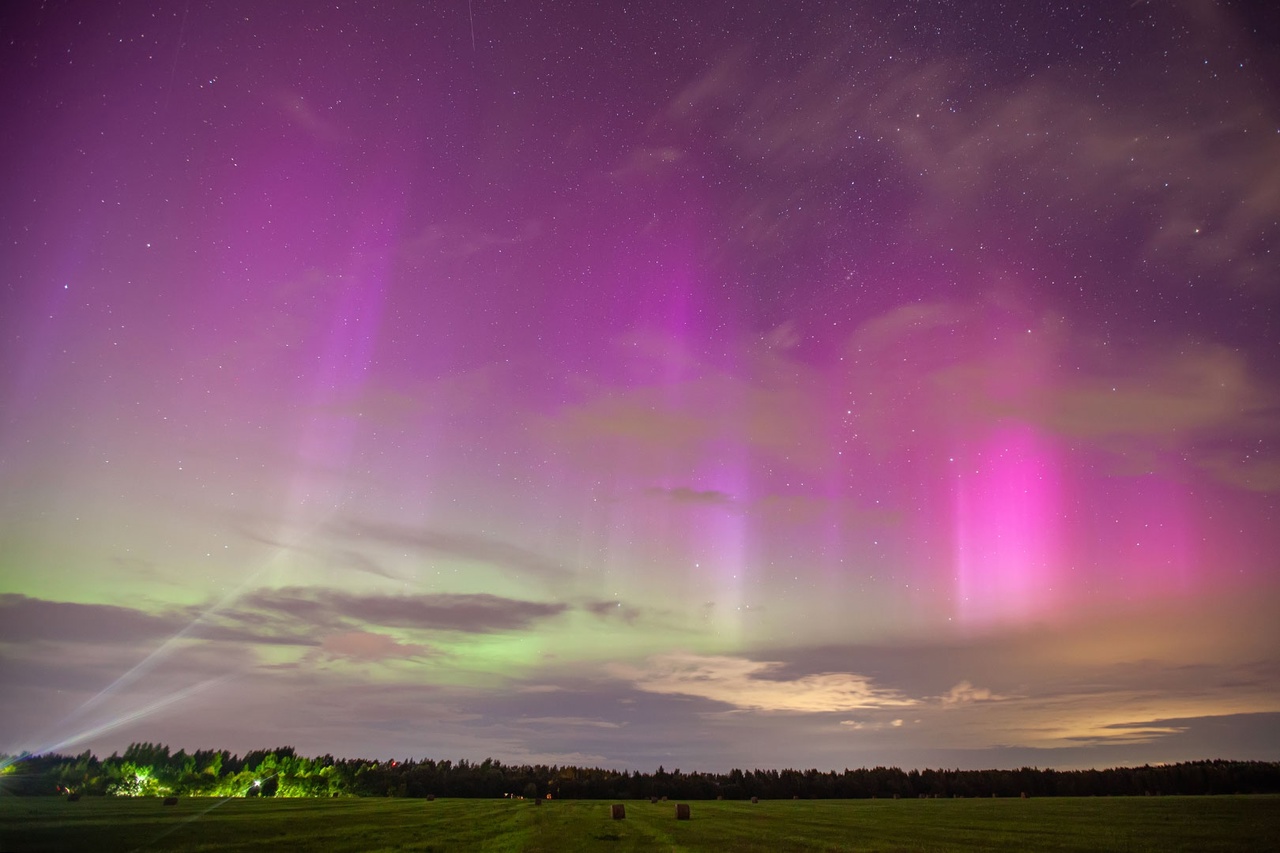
column 755, row 799
column 682, row 811
column 618, row 811
column 170, row 801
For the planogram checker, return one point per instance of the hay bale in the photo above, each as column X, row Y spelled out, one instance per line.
column 755, row 799
column 719, row 796
column 682, row 811
column 618, row 811
column 73, row 798
column 170, row 801
column 664, row 799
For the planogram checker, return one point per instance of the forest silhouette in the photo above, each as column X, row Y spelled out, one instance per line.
column 151, row 769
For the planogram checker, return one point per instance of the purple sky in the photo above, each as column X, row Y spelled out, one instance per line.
column 700, row 384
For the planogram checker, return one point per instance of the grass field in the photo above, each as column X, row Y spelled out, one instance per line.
column 1163, row 824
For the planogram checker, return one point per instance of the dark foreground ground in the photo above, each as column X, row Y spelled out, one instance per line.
column 1157, row 824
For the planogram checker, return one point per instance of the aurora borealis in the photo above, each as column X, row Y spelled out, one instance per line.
column 732, row 384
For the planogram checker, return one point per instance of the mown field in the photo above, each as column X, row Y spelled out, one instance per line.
column 1163, row 824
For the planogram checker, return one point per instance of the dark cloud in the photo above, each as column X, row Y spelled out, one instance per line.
column 613, row 610
column 686, row 495
column 290, row 616
column 480, row 613
column 24, row 619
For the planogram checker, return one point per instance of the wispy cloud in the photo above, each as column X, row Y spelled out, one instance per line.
column 1039, row 143
column 687, row 495
column 965, row 693
column 756, row 685
column 467, row 546
column 572, row 722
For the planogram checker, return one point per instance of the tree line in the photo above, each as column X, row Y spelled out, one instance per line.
column 147, row 769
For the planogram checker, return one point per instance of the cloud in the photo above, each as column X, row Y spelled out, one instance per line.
column 572, row 722
column 449, row 241
column 686, row 495
column 784, row 509
column 961, row 369
column 1061, row 149
column 304, row 115
column 1246, row 470
column 946, row 370
column 24, row 620
column 1194, row 401
column 886, row 331
column 612, row 610
column 772, row 410
column 482, row 549
column 645, row 161
column 750, row 685
column 378, row 405
column 1206, row 389
column 338, row 622
column 965, row 693
column 1127, row 732
column 479, row 613
column 639, row 417
column 369, row 646
column 862, row 725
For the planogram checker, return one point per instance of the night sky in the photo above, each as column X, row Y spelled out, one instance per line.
column 724, row 384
